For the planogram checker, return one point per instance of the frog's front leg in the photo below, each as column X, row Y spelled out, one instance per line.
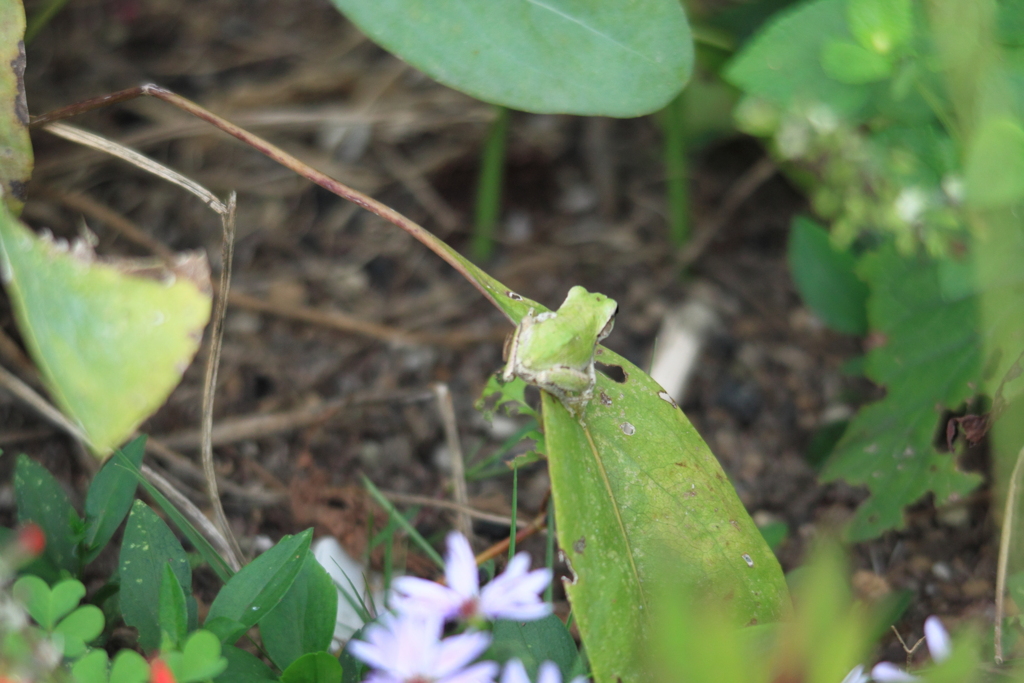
column 574, row 388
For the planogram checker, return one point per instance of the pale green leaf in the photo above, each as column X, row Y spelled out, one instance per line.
column 591, row 57
column 110, row 337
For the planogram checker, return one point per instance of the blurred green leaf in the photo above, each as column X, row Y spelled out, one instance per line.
column 315, row 667
column 303, row 622
column 881, row 25
column 534, row 642
column 853, row 64
column 91, row 668
column 173, row 615
column 994, row 173
column 244, row 667
column 782, row 63
column 147, row 546
column 199, row 660
column 129, row 667
column 79, row 628
column 255, row 590
column 48, row 606
column 601, row 57
column 826, row 279
column 111, row 337
column 41, row 499
column 15, row 146
column 931, row 360
column 109, row 499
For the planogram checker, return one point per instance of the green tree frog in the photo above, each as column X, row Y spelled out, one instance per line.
column 555, row 350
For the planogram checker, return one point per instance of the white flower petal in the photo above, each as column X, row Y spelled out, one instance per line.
column 482, row 672
column 455, row 652
column 514, row 672
column 939, row 644
column 460, row 566
column 419, row 597
column 887, row 672
column 856, row 675
column 549, row 673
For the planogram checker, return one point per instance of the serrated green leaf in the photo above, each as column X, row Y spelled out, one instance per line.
column 931, row 361
column 637, row 489
column 853, row 64
column 244, row 667
column 15, row 145
column 600, row 57
column 315, row 667
column 825, row 278
column 782, row 63
column 111, row 337
column 303, row 621
column 109, row 499
column 534, row 642
column 147, row 546
column 255, row 590
column 881, row 25
column 172, row 616
column 41, row 499
column 79, row 628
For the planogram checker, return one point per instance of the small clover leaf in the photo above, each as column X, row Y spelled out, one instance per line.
column 54, row 611
column 199, row 660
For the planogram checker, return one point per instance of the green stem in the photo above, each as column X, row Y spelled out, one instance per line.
column 676, row 190
column 488, row 189
column 515, row 512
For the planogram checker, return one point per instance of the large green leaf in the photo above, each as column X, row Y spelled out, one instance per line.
column 593, row 57
column 255, row 590
column 244, row 667
column 782, row 63
column 15, row 145
column 637, row 490
column 533, row 643
column 303, row 622
column 148, row 545
column 41, row 500
column 931, row 361
column 111, row 338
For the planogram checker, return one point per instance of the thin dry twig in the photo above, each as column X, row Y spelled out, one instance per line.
column 234, row 558
column 421, row 190
column 41, row 405
column 44, row 408
column 138, row 160
column 539, row 523
column 412, row 499
column 287, row 160
column 231, row 430
column 753, row 178
column 451, row 432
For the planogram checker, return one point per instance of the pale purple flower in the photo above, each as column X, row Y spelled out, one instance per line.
column 939, row 646
column 857, row 675
column 515, row 672
column 410, row 650
column 513, row 594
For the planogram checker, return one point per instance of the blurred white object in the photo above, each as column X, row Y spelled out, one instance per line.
column 680, row 339
column 348, row 574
